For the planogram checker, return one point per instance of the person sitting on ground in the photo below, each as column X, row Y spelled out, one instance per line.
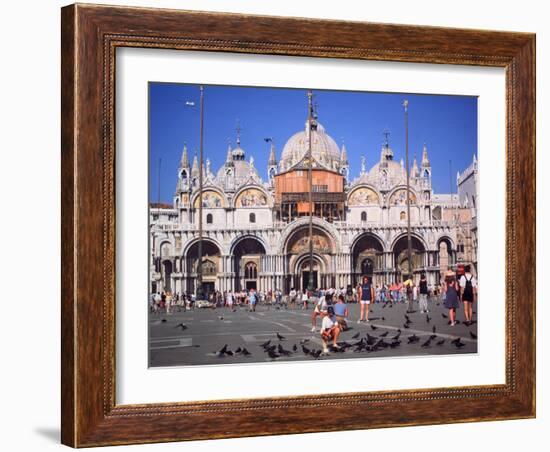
column 341, row 312
column 330, row 330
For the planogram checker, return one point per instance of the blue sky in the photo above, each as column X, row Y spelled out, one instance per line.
column 447, row 124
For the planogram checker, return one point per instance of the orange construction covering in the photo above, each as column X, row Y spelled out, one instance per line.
column 303, row 207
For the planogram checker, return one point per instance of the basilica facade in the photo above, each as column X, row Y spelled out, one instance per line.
column 256, row 231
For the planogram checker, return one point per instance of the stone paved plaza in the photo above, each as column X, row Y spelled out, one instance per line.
column 208, row 330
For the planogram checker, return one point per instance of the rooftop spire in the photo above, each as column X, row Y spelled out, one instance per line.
column 238, row 152
column 414, row 170
column 425, row 160
column 238, row 130
column 344, row 155
column 229, row 159
column 272, row 158
column 386, row 134
column 195, row 168
column 184, row 157
column 311, row 123
column 387, row 153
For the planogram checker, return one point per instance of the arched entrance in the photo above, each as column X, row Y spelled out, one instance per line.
column 367, row 255
column 303, row 269
column 251, row 275
column 210, row 266
column 298, row 259
column 247, row 254
column 447, row 256
column 166, row 274
column 367, row 267
column 401, row 256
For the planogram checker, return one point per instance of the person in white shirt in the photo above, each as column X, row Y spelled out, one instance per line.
column 319, row 310
column 229, row 300
column 156, row 302
column 292, row 295
column 305, row 299
column 330, row 330
column 468, row 292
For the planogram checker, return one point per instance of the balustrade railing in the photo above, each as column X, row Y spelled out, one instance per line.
column 282, row 224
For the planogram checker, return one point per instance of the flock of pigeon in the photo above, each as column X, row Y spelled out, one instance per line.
column 273, row 348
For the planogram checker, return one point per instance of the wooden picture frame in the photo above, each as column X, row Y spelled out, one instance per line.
column 90, row 36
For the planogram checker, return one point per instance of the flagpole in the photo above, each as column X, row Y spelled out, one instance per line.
column 409, row 240
column 157, row 261
column 310, row 189
column 199, row 288
column 453, row 206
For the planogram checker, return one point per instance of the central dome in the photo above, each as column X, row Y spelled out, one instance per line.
column 323, row 148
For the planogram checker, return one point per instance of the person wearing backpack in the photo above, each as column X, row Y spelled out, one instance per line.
column 468, row 290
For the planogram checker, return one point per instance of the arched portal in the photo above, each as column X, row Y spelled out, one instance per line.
column 298, row 259
column 166, row 274
column 444, row 258
column 401, row 256
column 247, row 254
column 447, row 255
column 367, row 267
column 367, row 255
column 210, row 266
column 302, row 271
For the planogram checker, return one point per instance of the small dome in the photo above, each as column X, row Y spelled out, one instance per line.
column 389, row 172
column 323, row 148
column 241, row 171
column 238, row 153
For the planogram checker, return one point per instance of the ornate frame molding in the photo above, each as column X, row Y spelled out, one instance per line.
column 90, row 37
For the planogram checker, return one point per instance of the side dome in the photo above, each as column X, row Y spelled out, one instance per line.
column 323, row 148
column 386, row 174
column 236, row 170
column 241, row 169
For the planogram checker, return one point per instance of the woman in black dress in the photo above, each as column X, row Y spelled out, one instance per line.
column 451, row 295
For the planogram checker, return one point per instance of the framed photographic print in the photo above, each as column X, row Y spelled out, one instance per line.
column 264, row 218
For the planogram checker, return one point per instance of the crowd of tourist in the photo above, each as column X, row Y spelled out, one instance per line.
column 330, row 305
column 364, row 293
column 386, row 293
